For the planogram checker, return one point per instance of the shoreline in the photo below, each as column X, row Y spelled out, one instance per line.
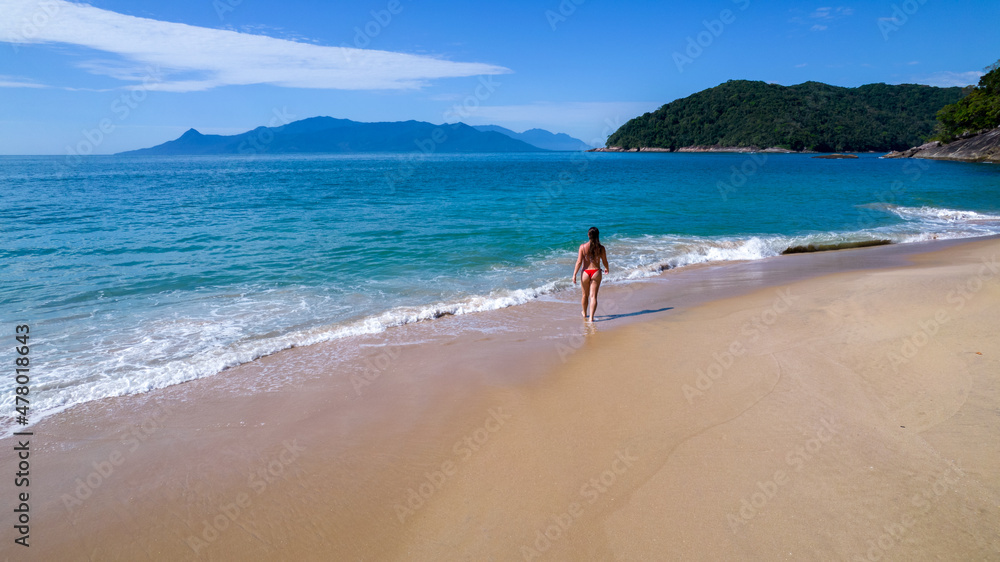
column 165, row 326
column 705, row 149
column 732, row 251
column 349, row 437
column 981, row 148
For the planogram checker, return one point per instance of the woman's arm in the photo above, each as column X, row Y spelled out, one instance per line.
column 579, row 260
column 604, row 258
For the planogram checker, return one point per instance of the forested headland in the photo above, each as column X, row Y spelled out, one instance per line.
column 810, row 116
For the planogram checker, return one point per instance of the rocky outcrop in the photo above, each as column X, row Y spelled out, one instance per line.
column 613, row 149
column 716, row 148
column 620, row 149
column 984, row 147
column 837, row 156
column 738, row 149
column 911, row 152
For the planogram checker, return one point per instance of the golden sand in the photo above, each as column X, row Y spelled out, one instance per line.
column 851, row 416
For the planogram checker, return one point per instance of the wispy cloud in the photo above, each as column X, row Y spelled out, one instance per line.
column 191, row 58
column 829, row 13
column 820, row 19
column 948, row 79
column 15, row 82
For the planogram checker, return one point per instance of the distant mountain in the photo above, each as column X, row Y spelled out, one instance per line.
column 807, row 116
column 540, row 138
column 329, row 135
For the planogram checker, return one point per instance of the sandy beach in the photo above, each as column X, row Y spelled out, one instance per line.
column 838, row 405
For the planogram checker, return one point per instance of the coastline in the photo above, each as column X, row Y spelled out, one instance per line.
column 497, row 432
column 700, row 148
column 154, row 336
column 980, row 148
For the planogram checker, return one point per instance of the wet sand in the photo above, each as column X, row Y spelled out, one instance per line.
column 840, row 405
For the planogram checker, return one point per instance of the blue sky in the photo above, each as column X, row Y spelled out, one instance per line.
column 116, row 75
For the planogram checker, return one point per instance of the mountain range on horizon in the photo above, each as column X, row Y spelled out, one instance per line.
column 540, row 138
column 331, row 135
column 811, row 116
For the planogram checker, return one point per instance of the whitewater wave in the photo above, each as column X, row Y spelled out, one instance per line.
column 158, row 357
column 933, row 214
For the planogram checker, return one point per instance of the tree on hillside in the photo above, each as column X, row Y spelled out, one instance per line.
column 979, row 111
column 807, row 116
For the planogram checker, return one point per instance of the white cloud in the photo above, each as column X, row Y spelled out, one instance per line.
column 829, row 13
column 818, row 27
column 15, row 82
column 194, row 58
column 948, row 79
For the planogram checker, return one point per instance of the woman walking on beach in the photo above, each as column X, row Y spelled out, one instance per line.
column 590, row 256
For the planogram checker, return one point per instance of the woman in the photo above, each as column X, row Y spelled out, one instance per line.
column 590, row 256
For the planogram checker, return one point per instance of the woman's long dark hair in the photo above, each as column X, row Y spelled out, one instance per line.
column 595, row 245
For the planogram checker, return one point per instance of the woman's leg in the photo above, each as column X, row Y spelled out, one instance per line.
column 595, row 285
column 585, row 284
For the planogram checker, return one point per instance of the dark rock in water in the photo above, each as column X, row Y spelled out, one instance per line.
column 836, row 156
column 984, row 147
column 835, row 246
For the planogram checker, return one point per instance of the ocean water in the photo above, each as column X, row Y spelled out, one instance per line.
column 139, row 273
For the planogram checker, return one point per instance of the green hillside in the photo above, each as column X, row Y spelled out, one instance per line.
column 979, row 111
column 808, row 116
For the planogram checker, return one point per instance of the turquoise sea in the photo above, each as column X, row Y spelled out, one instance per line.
column 138, row 273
